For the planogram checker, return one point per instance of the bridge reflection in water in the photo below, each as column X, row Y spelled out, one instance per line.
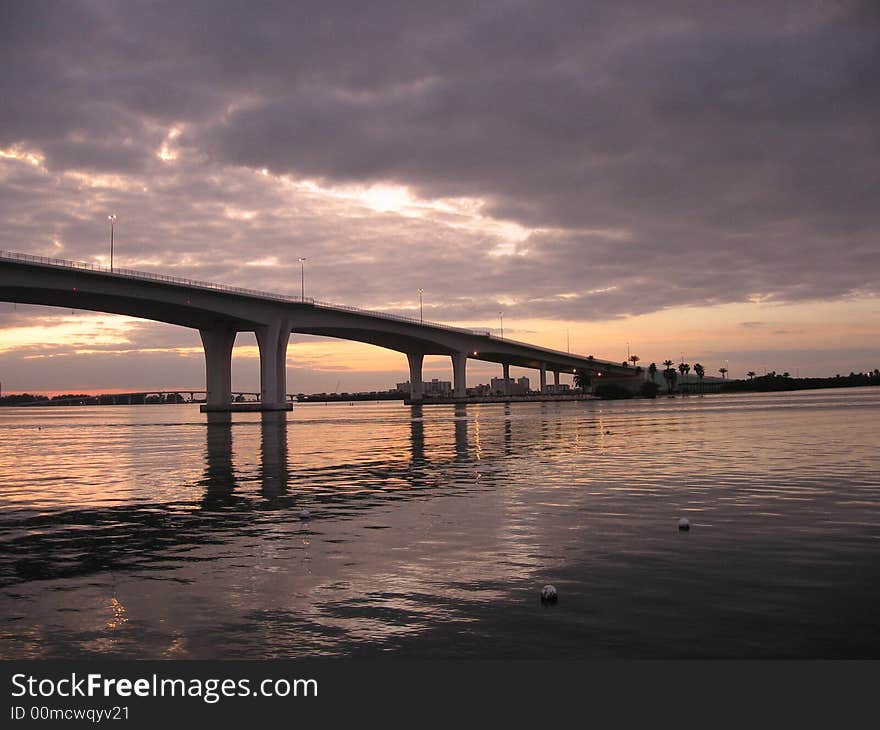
column 274, row 463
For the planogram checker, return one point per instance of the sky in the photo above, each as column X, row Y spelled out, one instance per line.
column 675, row 180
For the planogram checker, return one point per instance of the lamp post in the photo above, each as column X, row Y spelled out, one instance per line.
column 302, row 277
column 501, row 314
column 421, row 310
column 112, row 219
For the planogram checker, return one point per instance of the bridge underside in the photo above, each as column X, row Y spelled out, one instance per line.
column 180, row 314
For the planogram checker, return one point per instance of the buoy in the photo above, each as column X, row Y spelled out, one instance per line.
column 607, row 433
column 684, row 524
column 305, row 514
column 549, row 594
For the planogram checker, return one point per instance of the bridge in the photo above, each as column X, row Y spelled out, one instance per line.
column 219, row 312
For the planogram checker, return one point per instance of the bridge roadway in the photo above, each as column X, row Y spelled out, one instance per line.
column 219, row 312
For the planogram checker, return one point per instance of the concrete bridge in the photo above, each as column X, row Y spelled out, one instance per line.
column 219, row 312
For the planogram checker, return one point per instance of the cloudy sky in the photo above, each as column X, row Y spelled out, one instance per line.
column 694, row 179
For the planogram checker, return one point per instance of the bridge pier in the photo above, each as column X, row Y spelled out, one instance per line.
column 543, row 377
column 505, row 373
column 415, row 360
column 556, row 377
column 272, row 340
column 459, row 374
column 218, row 344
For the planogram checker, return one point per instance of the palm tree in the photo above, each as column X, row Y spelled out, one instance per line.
column 582, row 380
column 723, row 372
column 700, row 371
column 634, row 359
column 684, row 369
column 666, row 374
column 652, row 371
column 671, row 377
column 751, row 374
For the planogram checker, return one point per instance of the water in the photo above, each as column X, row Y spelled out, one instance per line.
column 142, row 532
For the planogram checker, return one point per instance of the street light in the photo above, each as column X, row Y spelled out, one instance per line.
column 112, row 219
column 302, row 277
column 421, row 311
column 501, row 314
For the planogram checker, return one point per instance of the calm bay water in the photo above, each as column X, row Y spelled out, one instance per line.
column 142, row 532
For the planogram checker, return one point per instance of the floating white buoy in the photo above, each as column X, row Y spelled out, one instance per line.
column 549, row 594
column 305, row 514
column 684, row 524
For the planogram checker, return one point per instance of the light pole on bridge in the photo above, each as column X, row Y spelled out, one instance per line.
column 421, row 310
column 501, row 314
column 302, row 277
column 112, row 219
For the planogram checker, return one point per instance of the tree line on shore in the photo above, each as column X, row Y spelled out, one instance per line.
column 21, row 399
column 770, row 382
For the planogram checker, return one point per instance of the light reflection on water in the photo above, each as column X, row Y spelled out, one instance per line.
column 140, row 531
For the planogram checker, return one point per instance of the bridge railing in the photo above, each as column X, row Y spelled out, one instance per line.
column 146, row 275
column 196, row 283
column 400, row 318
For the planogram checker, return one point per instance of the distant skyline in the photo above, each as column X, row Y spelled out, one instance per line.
column 679, row 179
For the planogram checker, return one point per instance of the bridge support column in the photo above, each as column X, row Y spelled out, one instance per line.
column 505, row 369
column 415, row 360
column 543, row 377
column 273, row 339
column 218, row 344
column 459, row 374
column 556, row 377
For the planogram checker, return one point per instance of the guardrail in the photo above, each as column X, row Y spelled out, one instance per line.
column 211, row 286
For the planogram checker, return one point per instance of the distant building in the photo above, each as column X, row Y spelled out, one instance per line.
column 435, row 387
column 481, row 389
column 514, row 387
column 561, row 389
